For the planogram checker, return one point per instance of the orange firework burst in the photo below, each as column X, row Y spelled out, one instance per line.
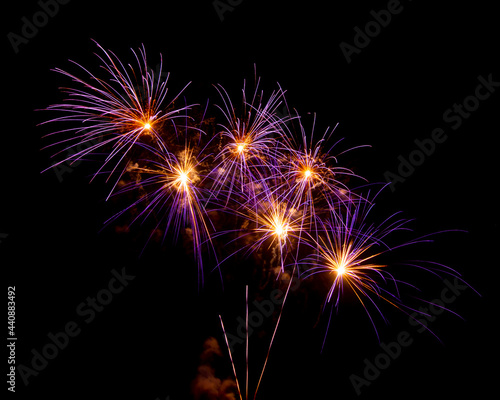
column 346, row 249
column 171, row 186
column 312, row 176
column 126, row 108
column 249, row 141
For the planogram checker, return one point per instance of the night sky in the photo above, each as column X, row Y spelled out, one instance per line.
column 429, row 77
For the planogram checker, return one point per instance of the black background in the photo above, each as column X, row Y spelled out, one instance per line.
column 146, row 343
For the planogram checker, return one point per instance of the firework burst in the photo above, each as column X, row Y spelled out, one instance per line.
column 249, row 141
column 312, row 177
column 116, row 112
column 275, row 223
column 171, row 190
column 347, row 252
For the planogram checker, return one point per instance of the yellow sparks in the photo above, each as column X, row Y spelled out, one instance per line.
column 182, row 179
column 280, row 229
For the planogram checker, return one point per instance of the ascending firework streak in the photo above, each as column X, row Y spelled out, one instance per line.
column 247, row 344
column 291, row 201
column 231, row 357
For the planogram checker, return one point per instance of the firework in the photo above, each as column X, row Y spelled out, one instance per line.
column 170, row 188
column 249, row 141
column 288, row 199
column 312, row 178
column 346, row 250
column 271, row 223
column 116, row 112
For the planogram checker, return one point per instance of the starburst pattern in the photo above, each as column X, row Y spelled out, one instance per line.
column 286, row 195
column 114, row 113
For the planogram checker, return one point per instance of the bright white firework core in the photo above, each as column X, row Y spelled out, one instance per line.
column 280, row 230
column 183, row 178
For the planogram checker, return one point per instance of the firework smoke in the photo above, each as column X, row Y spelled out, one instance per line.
column 206, row 385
